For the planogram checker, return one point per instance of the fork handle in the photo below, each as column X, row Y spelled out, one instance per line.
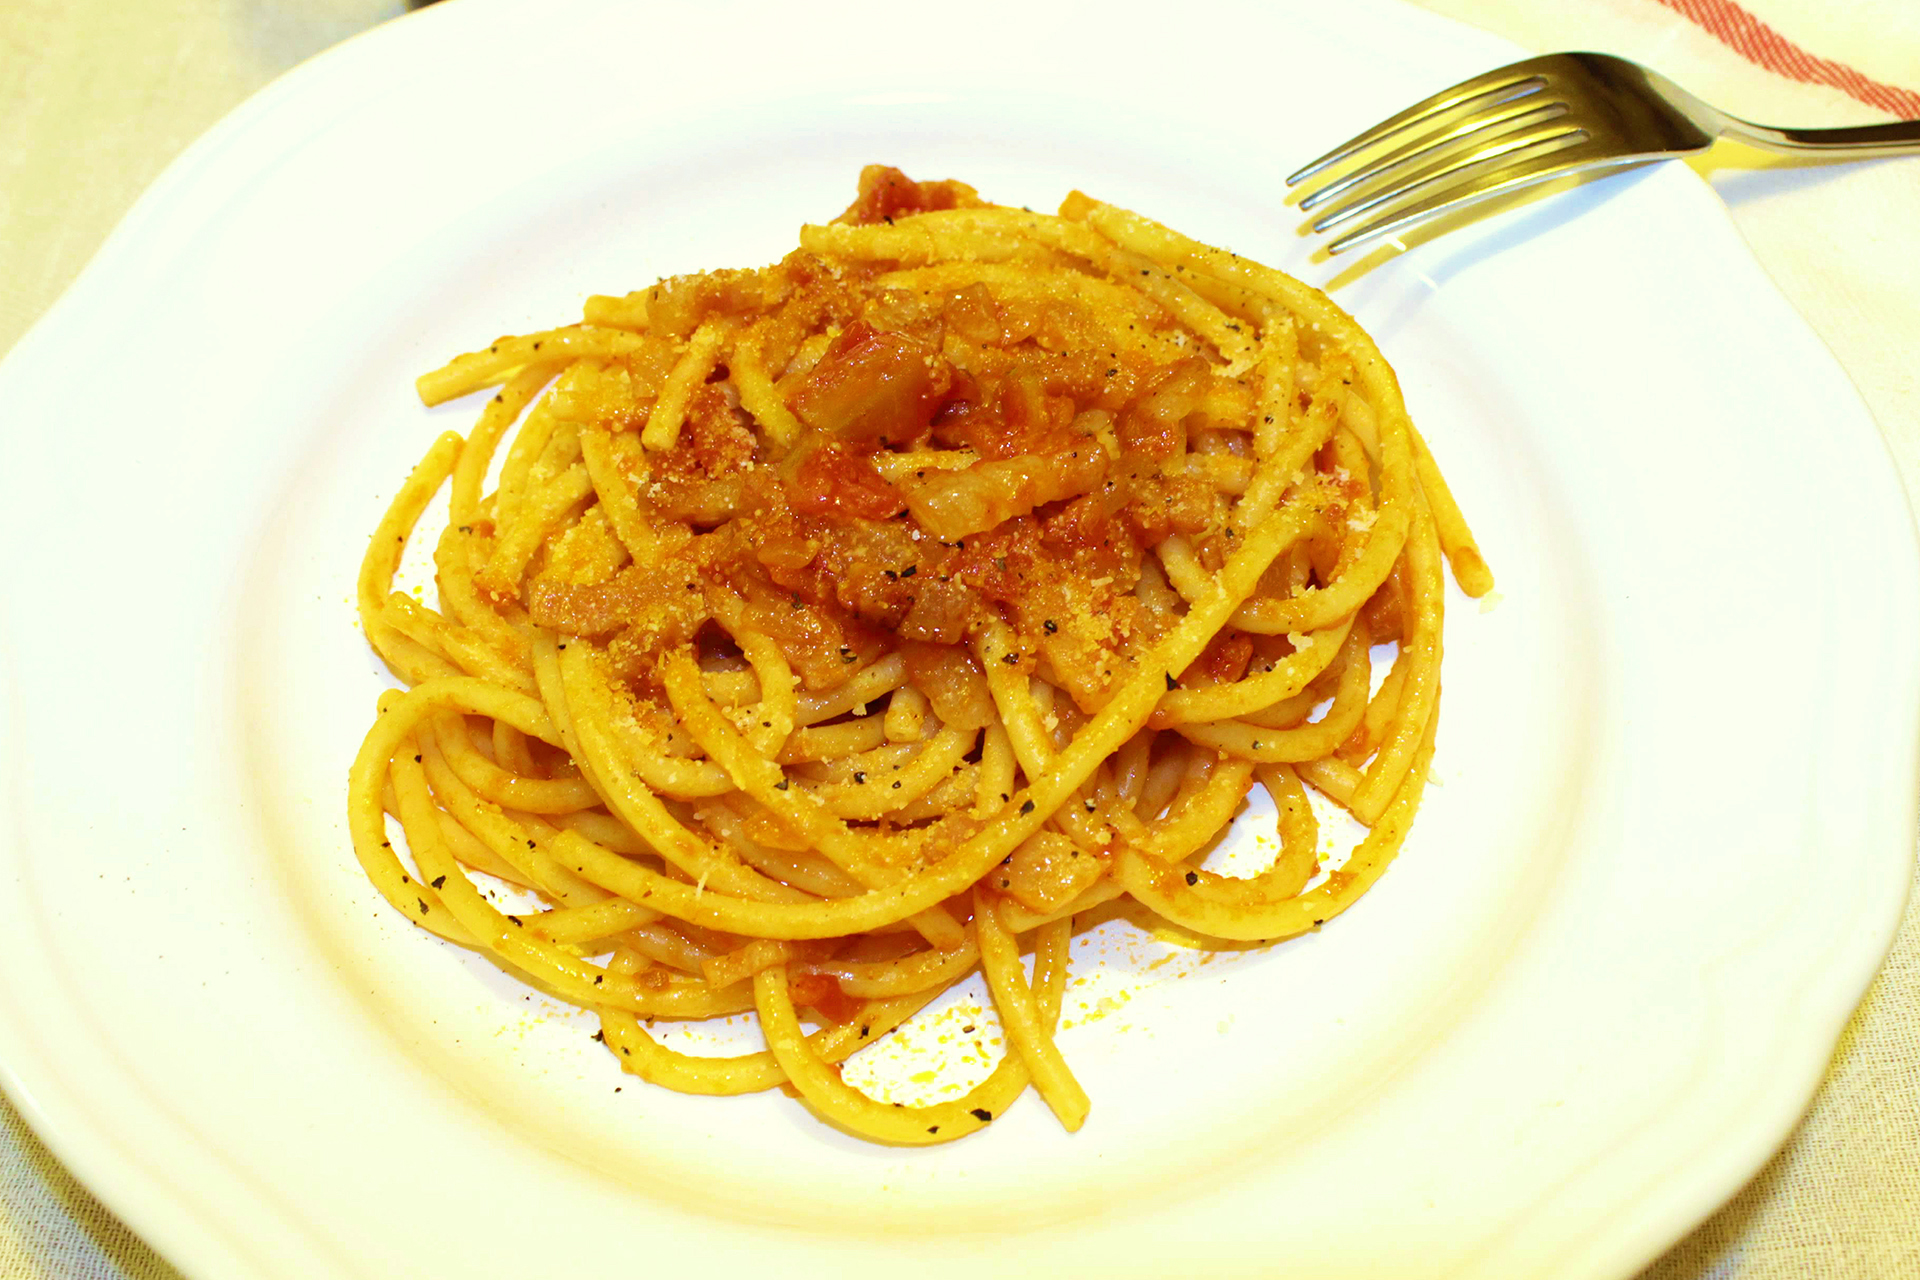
column 1858, row 142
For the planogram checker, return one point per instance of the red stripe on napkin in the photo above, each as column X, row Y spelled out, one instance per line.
column 1761, row 44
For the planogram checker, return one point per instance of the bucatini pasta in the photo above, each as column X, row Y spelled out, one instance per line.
column 838, row 629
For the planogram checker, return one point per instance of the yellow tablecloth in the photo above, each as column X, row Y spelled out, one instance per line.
column 97, row 96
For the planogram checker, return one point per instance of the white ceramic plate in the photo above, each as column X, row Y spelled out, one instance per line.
column 1678, row 756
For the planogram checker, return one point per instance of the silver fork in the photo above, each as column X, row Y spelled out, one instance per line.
column 1539, row 119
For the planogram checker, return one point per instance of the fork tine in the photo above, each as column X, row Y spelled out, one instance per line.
column 1485, row 121
column 1508, row 146
column 1513, row 79
column 1520, row 173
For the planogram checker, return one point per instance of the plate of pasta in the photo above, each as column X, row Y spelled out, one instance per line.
column 899, row 706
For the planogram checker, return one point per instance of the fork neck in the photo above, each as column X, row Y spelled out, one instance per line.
column 1901, row 137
